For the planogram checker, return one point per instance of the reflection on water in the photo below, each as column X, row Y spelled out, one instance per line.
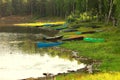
column 10, row 37
column 34, row 30
column 16, row 62
column 20, row 66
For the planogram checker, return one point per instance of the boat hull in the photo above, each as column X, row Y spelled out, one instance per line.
column 53, row 39
column 49, row 44
column 74, row 38
column 94, row 39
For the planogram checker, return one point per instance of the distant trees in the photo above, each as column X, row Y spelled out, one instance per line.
column 105, row 9
column 60, row 8
column 117, row 11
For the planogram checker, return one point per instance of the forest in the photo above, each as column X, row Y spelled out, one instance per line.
column 104, row 10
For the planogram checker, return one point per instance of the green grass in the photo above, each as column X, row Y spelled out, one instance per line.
column 98, row 76
column 108, row 51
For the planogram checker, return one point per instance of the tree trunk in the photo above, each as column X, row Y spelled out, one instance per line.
column 86, row 5
column 110, row 11
column 100, row 9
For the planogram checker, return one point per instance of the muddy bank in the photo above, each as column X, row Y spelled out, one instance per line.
column 15, row 19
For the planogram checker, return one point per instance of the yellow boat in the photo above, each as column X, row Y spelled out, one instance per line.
column 40, row 24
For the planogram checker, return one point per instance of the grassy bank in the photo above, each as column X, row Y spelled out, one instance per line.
column 98, row 76
column 108, row 51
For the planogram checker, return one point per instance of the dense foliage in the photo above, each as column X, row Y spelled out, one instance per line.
column 105, row 10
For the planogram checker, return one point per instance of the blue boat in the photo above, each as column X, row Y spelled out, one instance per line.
column 61, row 27
column 48, row 25
column 48, row 44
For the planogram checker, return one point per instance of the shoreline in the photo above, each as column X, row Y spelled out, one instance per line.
column 107, row 51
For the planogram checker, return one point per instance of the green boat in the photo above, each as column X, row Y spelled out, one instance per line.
column 94, row 39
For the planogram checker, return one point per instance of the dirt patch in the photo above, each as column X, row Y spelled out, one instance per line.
column 10, row 20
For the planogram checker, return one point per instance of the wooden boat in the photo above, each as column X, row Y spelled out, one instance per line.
column 48, row 24
column 48, row 44
column 53, row 39
column 74, row 27
column 88, row 32
column 74, row 38
column 94, row 26
column 70, row 30
column 51, row 25
column 60, row 28
column 64, row 26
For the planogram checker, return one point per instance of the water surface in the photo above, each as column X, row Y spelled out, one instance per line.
column 20, row 58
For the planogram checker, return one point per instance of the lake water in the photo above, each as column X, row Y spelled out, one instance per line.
column 20, row 58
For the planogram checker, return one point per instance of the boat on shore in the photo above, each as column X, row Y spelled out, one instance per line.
column 94, row 39
column 73, row 38
column 53, row 39
column 88, row 32
column 48, row 44
column 70, row 30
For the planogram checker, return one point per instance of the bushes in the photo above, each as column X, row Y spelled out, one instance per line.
column 82, row 17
